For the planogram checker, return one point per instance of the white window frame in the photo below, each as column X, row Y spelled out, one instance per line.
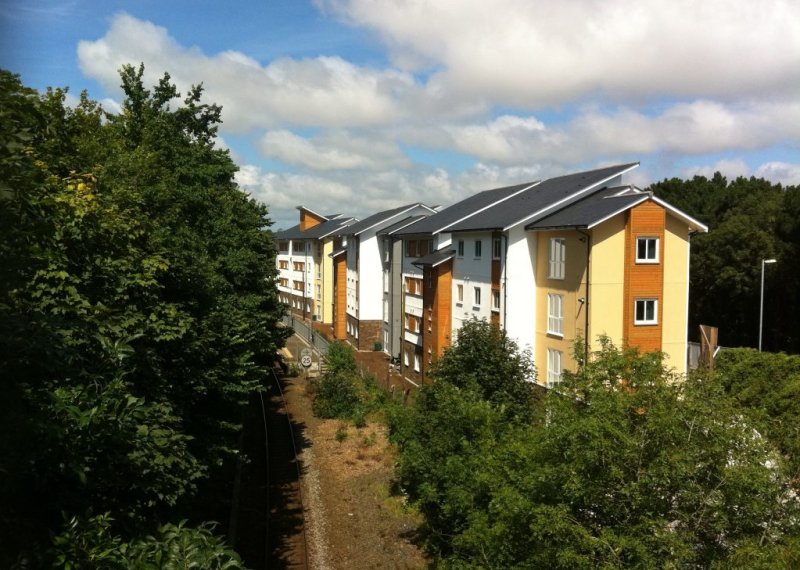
column 497, row 248
column 645, row 321
column 416, row 362
column 555, row 314
column 459, row 294
column 555, row 367
column 557, row 258
column 461, row 248
column 476, row 297
column 495, row 300
column 655, row 253
column 478, row 248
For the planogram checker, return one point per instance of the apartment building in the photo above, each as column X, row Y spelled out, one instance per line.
column 360, row 288
column 305, row 267
column 568, row 258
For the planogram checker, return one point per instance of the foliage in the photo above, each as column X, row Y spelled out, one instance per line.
column 91, row 544
column 768, row 384
column 481, row 389
column 343, row 392
column 749, row 220
column 137, row 308
column 621, row 466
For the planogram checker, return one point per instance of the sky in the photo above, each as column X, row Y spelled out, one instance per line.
column 357, row 106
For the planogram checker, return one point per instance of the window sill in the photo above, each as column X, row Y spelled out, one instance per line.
column 647, row 262
column 496, row 310
column 555, row 334
column 645, row 324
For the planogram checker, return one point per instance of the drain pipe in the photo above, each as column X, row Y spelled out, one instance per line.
column 586, row 304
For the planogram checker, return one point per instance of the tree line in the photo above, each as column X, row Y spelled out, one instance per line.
column 137, row 314
column 749, row 219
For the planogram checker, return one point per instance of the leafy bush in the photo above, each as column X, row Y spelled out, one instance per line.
column 620, row 466
column 768, row 384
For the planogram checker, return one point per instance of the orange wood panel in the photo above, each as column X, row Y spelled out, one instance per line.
column 309, row 220
column 340, row 296
column 644, row 280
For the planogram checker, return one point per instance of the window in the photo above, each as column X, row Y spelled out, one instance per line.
column 412, row 323
column 497, row 249
column 459, row 293
column 413, row 286
column 386, row 310
column 411, row 248
column 558, row 249
column 461, row 248
column 554, row 367
column 319, row 292
column 299, row 266
column 405, row 358
column 298, row 285
column 423, row 247
column 477, row 248
column 495, row 300
column 416, row 362
column 477, row 297
column 283, row 246
column 647, row 250
column 555, row 314
column 646, row 312
column 385, row 281
column 283, row 264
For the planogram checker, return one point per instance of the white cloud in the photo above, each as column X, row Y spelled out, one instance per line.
column 333, row 150
column 731, row 168
column 531, row 54
column 783, row 172
column 322, row 91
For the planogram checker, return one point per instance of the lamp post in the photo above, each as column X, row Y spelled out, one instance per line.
column 761, row 315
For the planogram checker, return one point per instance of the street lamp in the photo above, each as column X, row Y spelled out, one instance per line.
column 761, row 316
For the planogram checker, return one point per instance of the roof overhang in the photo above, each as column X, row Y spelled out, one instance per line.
column 434, row 259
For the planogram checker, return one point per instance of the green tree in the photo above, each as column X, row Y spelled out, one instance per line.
column 749, row 219
column 137, row 309
column 621, row 466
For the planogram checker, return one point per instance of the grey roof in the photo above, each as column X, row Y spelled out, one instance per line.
column 540, row 200
column 460, row 210
column 590, row 211
column 402, row 224
column 435, row 258
column 339, row 251
column 376, row 219
column 322, row 230
column 292, row 233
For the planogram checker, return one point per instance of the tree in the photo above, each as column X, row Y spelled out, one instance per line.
column 620, row 466
column 137, row 309
column 749, row 220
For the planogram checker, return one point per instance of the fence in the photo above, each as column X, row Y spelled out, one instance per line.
column 304, row 330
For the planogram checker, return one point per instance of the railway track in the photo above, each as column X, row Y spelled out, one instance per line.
column 270, row 524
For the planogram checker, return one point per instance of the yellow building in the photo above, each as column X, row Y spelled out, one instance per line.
column 614, row 264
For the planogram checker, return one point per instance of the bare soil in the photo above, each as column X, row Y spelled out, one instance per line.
column 353, row 519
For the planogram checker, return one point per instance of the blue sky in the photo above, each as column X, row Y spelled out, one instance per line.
column 356, row 106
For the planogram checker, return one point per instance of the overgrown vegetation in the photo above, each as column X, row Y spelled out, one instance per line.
column 620, row 467
column 343, row 392
column 137, row 312
column 768, row 384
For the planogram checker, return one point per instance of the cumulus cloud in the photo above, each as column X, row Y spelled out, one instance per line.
column 783, row 172
column 322, row 91
column 697, row 127
column 333, row 150
column 531, row 54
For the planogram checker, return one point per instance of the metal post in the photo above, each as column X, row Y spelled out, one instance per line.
column 761, row 314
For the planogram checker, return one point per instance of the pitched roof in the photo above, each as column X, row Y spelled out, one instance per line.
column 467, row 207
column 379, row 218
column 402, row 224
column 542, row 199
column 600, row 206
column 319, row 231
column 435, row 258
column 590, row 211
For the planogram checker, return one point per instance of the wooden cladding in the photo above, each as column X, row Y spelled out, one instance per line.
column 437, row 302
column 309, row 220
column 644, row 282
column 340, row 296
